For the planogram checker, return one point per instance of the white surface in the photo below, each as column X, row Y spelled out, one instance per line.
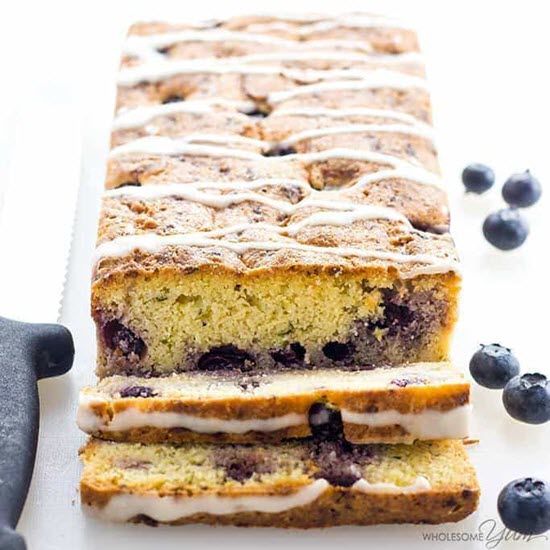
column 487, row 62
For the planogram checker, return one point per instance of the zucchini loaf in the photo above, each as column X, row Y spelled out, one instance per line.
column 385, row 405
column 273, row 200
column 307, row 484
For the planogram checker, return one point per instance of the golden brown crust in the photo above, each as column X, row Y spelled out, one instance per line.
column 411, row 399
column 178, row 436
column 338, row 506
column 423, row 204
column 385, row 39
column 183, row 260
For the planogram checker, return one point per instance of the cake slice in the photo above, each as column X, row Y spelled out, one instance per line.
column 386, row 405
column 297, row 484
column 273, row 200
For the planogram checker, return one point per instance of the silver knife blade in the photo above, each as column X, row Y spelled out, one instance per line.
column 39, row 201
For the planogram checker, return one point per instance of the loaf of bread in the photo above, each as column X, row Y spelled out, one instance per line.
column 274, row 285
column 273, row 199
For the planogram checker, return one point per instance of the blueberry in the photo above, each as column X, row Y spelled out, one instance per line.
column 119, row 337
column 175, row 98
column 225, row 357
column 241, row 463
column 527, row 398
column 280, row 152
column 396, row 317
column 129, row 184
column 522, row 190
column 339, row 462
column 493, row 366
column 506, row 229
column 337, row 351
column 257, row 113
column 478, row 178
column 408, row 381
column 524, row 506
column 137, row 391
column 293, row 355
column 325, row 421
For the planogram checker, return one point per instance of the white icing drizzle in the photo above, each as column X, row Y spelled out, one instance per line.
column 169, row 146
column 351, row 112
column 134, row 418
column 354, row 154
column 147, row 46
column 429, row 424
column 357, row 128
column 134, row 118
column 124, row 507
column 369, row 19
column 420, row 484
column 319, row 55
column 161, row 69
column 143, row 46
column 380, row 78
column 338, row 212
column 331, row 201
column 411, row 173
column 163, row 145
column 139, row 116
column 348, row 211
column 152, row 243
column 173, row 189
column 308, row 27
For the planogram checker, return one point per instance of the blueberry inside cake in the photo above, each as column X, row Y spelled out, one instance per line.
column 274, row 285
column 211, row 319
column 423, row 401
column 312, row 483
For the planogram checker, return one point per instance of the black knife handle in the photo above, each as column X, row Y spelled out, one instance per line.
column 28, row 352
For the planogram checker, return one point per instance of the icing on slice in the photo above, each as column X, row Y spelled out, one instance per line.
column 123, row 507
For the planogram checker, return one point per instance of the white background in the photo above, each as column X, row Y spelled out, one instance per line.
column 488, row 68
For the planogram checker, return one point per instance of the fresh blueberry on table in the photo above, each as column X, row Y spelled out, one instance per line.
column 506, row 229
column 493, row 366
column 527, row 398
column 478, row 178
column 524, row 506
column 522, row 190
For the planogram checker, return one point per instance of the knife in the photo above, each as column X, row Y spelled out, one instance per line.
column 35, row 234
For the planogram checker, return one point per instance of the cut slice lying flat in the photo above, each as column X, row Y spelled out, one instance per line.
column 423, row 401
column 307, row 483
